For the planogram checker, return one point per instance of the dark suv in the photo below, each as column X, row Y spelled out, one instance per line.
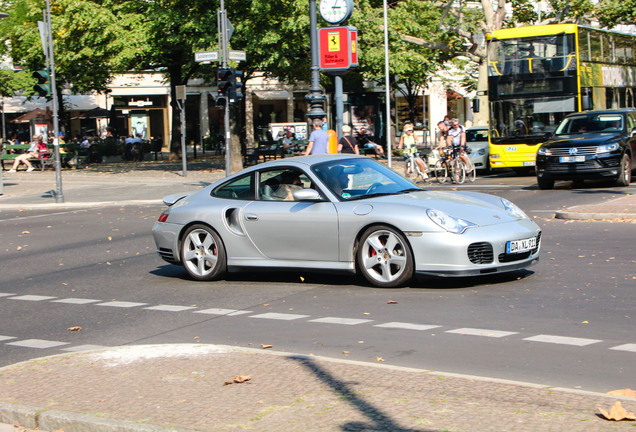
column 587, row 145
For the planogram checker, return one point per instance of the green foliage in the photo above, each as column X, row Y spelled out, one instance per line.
column 613, row 12
column 15, row 82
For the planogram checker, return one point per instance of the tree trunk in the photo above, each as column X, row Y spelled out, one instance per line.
column 175, row 79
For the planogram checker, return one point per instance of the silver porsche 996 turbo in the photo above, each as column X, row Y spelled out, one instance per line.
column 342, row 213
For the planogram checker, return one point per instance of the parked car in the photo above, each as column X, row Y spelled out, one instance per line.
column 589, row 145
column 342, row 213
column 477, row 141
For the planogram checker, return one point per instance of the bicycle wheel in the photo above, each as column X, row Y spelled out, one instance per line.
column 439, row 172
column 472, row 175
column 408, row 167
column 458, row 171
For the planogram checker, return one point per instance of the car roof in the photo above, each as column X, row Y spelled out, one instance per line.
column 608, row 111
column 477, row 128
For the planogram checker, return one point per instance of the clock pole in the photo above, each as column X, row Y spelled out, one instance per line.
column 316, row 98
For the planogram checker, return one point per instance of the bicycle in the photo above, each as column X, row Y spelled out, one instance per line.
column 412, row 167
column 450, row 163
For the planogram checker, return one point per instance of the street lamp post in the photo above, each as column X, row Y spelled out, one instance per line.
column 316, row 98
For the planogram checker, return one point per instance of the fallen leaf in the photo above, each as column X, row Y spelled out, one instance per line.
column 75, row 328
column 345, row 352
column 617, row 413
column 109, row 238
column 266, row 346
column 239, row 379
column 380, row 359
column 391, row 302
column 26, row 232
column 302, row 279
column 585, row 322
column 624, row 392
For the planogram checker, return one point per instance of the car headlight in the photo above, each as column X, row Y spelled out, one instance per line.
column 513, row 210
column 606, row 148
column 544, row 151
column 448, row 222
column 481, row 152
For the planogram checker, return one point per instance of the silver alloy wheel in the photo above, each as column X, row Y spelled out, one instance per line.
column 203, row 254
column 625, row 175
column 384, row 257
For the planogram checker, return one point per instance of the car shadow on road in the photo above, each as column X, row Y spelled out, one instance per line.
column 470, row 282
column 377, row 420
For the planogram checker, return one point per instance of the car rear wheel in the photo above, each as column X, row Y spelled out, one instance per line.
column 545, row 183
column 625, row 175
column 203, row 253
column 384, row 257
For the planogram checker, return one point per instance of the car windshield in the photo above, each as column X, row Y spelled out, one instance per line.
column 596, row 123
column 359, row 178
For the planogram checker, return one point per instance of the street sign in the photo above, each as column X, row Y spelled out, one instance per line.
column 338, row 49
column 237, row 55
column 206, row 56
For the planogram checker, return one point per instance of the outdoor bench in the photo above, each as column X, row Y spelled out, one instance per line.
column 67, row 154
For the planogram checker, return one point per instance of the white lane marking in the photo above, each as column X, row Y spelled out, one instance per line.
column 279, row 316
column 625, row 347
column 6, row 294
column 219, row 311
column 170, row 308
column 79, row 348
column 37, row 343
column 563, row 340
column 122, row 304
column 31, row 298
column 6, row 337
column 406, row 326
column 481, row 332
column 73, row 300
column 343, row 321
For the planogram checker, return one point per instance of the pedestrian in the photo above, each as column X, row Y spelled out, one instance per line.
column 348, row 144
column 318, row 140
column 37, row 149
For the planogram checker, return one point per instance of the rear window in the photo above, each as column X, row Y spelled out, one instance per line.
column 476, row 135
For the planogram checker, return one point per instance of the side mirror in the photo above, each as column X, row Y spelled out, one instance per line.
column 633, row 132
column 307, row 195
column 547, row 135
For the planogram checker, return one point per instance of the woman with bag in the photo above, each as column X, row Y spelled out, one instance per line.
column 347, row 143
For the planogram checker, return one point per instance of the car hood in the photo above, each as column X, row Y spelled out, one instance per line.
column 576, row 140
column 478, row 208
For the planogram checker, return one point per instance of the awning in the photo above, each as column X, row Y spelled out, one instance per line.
column 272, row 94
column 36, row 114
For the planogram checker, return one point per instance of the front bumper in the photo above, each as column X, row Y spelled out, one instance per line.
column 549, row 167
column 479, row 251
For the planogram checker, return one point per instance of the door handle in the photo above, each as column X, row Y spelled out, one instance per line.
column 251, row 217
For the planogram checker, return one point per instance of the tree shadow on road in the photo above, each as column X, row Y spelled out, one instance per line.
column 377, row 420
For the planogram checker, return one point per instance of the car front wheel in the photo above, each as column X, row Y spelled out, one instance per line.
column 545, row 183
column 625, row 175
column 203, row 253
column 384, row 257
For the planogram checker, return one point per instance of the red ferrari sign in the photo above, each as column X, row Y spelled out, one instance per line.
column 338, row 49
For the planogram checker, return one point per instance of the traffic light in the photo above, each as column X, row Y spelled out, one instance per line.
column 236, row 87
column 223, row 84
column 43, row 87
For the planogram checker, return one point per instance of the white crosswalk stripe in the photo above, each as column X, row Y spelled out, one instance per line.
column 37, row 343
column 406, row 326
column 2, row 338
column 481, row 332
column 122, row 304
column 625, row 347
column 279, row 316
column 170, row 308
column 219, row 311
column 343, row 321
column 31, row 298
column 78, row 301
column 563, row 340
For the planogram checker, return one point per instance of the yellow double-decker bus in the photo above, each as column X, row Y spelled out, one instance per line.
column 537, row 75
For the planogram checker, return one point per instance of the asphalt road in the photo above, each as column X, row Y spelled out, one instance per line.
column 84, row 278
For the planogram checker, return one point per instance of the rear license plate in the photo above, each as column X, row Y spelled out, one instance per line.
column 569, row 159
column 519, row 246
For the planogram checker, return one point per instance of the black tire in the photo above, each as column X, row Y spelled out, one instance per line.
column 625, row 176
column 545, row 184
column 384, row 257
column 202, row 253
column 439, row 171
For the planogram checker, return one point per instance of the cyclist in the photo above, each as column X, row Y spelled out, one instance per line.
column 457, row 139
column 409, row 142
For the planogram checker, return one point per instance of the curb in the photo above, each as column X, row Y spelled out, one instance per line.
column 596, row 216
column 81, row 204
column 54, row 420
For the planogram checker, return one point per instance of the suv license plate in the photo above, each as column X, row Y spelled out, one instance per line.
column 567, row 159
column 519, row 246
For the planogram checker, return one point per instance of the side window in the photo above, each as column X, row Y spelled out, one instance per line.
column 280, row 184
column 240, row 188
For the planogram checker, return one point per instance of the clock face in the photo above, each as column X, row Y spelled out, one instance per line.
column 335, row 11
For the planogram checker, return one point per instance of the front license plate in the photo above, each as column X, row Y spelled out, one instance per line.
column 570, row 159
column 531, row 163
column 519, row 246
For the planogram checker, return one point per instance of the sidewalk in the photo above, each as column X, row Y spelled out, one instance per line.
column 182, row 387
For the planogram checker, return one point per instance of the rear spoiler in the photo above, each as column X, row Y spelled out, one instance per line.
column 171, row 200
